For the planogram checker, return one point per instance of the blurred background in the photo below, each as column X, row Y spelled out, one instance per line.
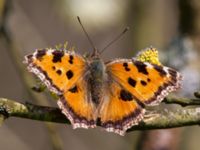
column 172, row 26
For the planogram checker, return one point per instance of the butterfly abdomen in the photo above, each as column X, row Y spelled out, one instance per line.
column 96, row 78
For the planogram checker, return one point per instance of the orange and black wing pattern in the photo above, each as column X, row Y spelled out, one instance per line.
column 119, row 109
column 77, row 105
column 57, row 69
column 63, row 73
column 149, row 83
column 134, row 85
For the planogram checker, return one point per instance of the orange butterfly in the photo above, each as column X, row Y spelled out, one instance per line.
column 114, row 92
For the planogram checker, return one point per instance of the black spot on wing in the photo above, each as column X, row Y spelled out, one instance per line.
column 149, row 80
column 53, row 67
column 126, row 95
column 144, row 83
column 57, row 56
column 160, row 70
column 71, row 59
column 126, row 66
column 40, row 54
column 132, row 82
column 74, row 89
column 69, row 74
column 59, row 72
column 127, row 69
column 141, row 67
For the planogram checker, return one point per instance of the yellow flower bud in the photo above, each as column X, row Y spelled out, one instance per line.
column 149, row 55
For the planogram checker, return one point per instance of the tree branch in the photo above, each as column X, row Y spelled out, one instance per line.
column 182, row 101
column 10, row 108
column 159, row 119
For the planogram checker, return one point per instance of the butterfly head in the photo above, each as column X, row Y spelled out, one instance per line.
column 95, row 54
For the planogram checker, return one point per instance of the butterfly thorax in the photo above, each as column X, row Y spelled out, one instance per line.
column 96, row 79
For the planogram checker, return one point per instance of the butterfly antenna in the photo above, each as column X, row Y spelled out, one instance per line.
column 88, row 37
column 115, row 39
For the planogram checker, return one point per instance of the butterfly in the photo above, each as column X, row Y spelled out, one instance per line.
column 114, row 93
